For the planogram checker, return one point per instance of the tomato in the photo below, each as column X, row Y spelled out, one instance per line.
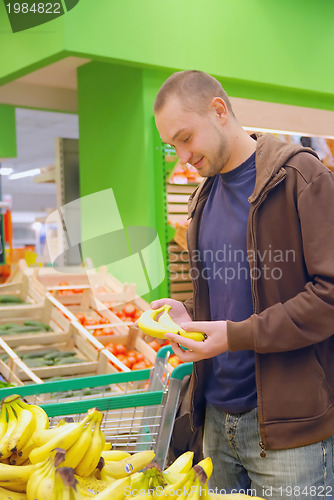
column 139, row 366
column 120, row 349
column 108, row 331
column 123, row 359
column 137, row 315
column 129, row 310
column 111, row 348
column 90, row 321
column 81, row 318
column 155, row 345
column 132, row 360
column 140, row 356
column 98, row 332
column 174, row 361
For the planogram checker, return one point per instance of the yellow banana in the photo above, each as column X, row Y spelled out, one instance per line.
column 114, row 455
column 186, row 488
column 42, row 419
column 19, row 473
column 23, row 455
column 3, row 421
column 118, row 490
column 65, row 484
column 183, row 463
column 148, row 324
column 64, row 440
column 24, row 428
column 90, row 484
column 207, row 466
column 107, row 446
column 127, row 466
column 12, row 421
column 173, row 491
column 46, row 486
column 92, row 457
column 167, row 321
column 14, row 486
column 35, row 479
column 78, row 450
column 43, row 436
column 11, row 495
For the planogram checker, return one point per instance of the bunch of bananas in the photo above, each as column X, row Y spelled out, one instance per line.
column 73, row 462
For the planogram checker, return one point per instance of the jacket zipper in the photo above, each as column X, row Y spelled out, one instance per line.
column 253, row 287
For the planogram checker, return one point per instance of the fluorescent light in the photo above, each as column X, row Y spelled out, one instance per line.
column 5, row 170
column 25, row 173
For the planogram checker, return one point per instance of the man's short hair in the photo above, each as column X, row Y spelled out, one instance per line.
column 195, row 89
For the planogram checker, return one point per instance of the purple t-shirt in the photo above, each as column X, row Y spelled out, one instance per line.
column 222, row 244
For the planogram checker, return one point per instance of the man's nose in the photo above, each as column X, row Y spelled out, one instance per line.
column 183, row 154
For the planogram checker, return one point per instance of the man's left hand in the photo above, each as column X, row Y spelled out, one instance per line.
column 214, row 344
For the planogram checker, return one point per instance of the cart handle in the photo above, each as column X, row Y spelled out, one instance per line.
column 179, row 371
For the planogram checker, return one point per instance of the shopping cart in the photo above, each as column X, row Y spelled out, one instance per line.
column 139, row 407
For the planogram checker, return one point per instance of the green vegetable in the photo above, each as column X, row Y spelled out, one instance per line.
column 10, row 299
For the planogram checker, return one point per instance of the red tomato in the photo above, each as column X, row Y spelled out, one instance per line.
column 98, row 333
column 139, row 366
column 124, row 360
column 129, row 310
column 120, row 349
column 140, row 356
column 90, row 321
column 108, row 331
column 81, row 318
column 155, row 345
column 132, row 360
column 111, row 348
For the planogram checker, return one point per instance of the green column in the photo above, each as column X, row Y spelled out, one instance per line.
column 7, row 132
column 117, row 154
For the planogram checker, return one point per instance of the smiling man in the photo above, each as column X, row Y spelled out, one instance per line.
column 263, row 380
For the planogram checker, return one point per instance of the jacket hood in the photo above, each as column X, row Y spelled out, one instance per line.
column 271, row 155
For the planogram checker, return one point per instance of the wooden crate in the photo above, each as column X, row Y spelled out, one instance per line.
column 49, row 313
column 76, row 288
column 21, row 289
column 95, row 356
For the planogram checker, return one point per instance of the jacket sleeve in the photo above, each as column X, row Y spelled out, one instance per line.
column 308, row 317
column 188, row 304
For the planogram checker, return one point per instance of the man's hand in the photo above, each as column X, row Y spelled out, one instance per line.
column 178, row 312
column 214, row 344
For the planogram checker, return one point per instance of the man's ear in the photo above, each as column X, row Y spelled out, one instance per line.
column 218, row 106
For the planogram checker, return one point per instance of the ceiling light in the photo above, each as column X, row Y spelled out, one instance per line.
column 5, row 170
column 25, row 173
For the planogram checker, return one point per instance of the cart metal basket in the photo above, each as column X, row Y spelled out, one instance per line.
column 139, row 407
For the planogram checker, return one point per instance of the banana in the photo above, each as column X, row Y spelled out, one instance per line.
column 140, row 481
column 90, row 484
column 77, row 451
column 12, row 421
column 24, row 429
column 35, row 479
column 186, row 488
column 19, row 473
column 22, row 455
column 183, row 463
column 43, row 436
column 91, row 458
column 167, row 321
column 207, row 466
column 128, row 465
column 64, row 439
column 148, row 324
column 46, row 486
column 42, row 419
column 173, row 491
column 3, row 421
column 117, row 490
column 14, row 486
column 107, row 447
column 114, row 455
column 11, row 495
column 65, row 484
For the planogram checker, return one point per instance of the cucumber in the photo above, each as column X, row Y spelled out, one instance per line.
column 39, row 324
column 68, row 360
column 35, row 362
column 10, row 299
column 52, row 355
column 37, row 354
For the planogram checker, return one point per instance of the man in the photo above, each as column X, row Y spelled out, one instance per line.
column 260, row 242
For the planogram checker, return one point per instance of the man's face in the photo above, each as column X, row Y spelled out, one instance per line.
column 198, row 139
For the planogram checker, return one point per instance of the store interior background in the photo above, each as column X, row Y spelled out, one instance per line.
column 93, row 73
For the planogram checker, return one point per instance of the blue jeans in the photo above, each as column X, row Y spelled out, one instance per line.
column 232, row 441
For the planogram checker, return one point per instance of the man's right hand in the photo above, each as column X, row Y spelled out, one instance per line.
column 178, row 312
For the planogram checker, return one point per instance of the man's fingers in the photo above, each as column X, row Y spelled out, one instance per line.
column 188, row 343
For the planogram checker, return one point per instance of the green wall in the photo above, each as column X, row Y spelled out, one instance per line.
column 263, row 49
column 116, row 152
column 7, row 132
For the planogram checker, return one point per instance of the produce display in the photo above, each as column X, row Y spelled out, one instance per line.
column 72, row 461
column 148, row 324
